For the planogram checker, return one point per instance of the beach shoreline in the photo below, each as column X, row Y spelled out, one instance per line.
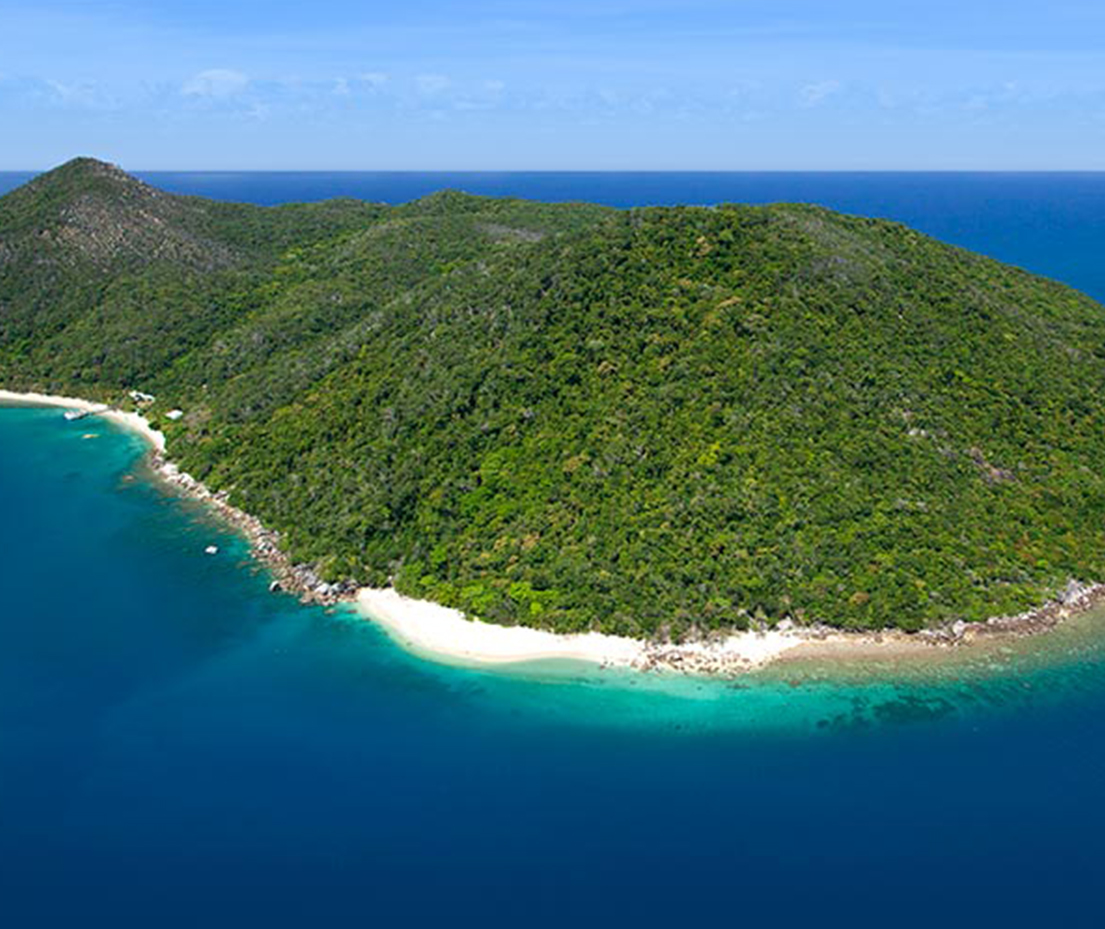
column 447, row 636
column 132, row 421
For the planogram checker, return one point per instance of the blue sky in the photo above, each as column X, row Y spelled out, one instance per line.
column 604, row 84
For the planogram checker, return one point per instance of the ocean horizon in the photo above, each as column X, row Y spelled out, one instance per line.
column 178, row 746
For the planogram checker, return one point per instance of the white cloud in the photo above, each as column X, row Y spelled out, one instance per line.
column 487, row 95
column 816, row 94
column 80, row 93
column 886, row 99
column 217, row 82
column 744, row 87
column 430, row 84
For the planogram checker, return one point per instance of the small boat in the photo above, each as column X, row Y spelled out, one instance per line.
column 211, row 550
column 74, row 415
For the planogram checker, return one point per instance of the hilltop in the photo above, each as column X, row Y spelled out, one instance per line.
column 645, row 421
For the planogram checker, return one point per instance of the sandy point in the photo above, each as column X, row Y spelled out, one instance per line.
column 132, row 421
column 448, row 636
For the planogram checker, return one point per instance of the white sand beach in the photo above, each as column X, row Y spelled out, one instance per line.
column 132, row 421
column 448, row 636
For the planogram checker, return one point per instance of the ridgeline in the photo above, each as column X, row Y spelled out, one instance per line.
column 644, row 422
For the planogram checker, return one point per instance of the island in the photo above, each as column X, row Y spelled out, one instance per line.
column 681, row 437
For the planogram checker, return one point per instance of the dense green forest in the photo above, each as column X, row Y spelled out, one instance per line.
column 646, row 422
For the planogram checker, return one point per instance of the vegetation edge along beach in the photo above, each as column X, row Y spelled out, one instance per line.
column 437, row 633
column 675, row 426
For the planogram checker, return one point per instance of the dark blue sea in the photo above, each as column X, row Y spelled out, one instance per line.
column 178, row 747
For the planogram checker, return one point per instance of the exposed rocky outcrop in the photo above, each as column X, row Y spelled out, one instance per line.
column 301, row 580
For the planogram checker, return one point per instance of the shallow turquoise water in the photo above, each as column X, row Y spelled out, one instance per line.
column 179, row 747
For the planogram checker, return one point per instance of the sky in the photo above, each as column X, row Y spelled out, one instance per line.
column 554, row 84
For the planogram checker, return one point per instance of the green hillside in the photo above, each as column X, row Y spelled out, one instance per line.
column 640, row 421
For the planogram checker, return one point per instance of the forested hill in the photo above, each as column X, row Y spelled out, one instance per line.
column 640, row 421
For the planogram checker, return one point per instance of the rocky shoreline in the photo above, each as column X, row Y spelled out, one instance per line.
column 1076, row 597
column 297, row 579
column 712, row 656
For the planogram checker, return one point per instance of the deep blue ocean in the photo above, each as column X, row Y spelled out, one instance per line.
column 178, row 747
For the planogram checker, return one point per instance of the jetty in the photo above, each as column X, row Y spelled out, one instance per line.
column 75, row 415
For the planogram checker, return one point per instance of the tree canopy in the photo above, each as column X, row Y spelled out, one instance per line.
column 567, row 416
